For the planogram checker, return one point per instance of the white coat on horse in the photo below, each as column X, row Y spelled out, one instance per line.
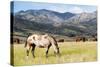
column 42, row 41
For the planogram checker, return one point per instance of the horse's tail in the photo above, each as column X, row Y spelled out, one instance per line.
column 26, row 41
column 25, row 44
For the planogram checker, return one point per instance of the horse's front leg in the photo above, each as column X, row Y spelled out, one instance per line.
column 33, row 48
column 56, row 50
column 47, row 49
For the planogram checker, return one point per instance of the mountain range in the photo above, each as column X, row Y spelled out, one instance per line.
column 68, row 24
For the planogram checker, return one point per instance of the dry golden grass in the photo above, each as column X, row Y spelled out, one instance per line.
column 70, row 52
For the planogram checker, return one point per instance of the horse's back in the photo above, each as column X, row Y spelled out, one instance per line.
column 39, row 40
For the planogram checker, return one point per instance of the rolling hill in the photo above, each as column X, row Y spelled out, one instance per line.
column 67, row 24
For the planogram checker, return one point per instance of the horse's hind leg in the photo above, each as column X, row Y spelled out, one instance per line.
column 47, row 49
column 33, row 48
column 27, row 50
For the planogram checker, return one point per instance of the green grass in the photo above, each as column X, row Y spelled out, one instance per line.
column 70, row 52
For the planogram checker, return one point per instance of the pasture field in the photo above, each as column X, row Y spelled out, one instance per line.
column 70, row 52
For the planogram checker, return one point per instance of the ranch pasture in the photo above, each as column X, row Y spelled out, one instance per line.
column 70, row 52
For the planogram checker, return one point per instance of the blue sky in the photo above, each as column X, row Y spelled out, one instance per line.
column 22, row 5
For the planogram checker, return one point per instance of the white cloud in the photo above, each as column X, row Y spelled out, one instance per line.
column 76, row 10
column 63, row 9
column 57, row 8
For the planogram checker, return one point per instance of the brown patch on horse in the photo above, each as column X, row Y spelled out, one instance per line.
column 34, row 38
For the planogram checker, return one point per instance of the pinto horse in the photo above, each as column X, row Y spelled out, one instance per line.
column 41, row 41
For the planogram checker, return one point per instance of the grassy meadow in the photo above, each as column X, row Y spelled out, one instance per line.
column 70, row 52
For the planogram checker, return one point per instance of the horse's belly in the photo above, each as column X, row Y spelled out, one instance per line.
column 42, row 44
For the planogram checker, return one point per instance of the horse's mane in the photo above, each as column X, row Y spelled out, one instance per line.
column 54, row 39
